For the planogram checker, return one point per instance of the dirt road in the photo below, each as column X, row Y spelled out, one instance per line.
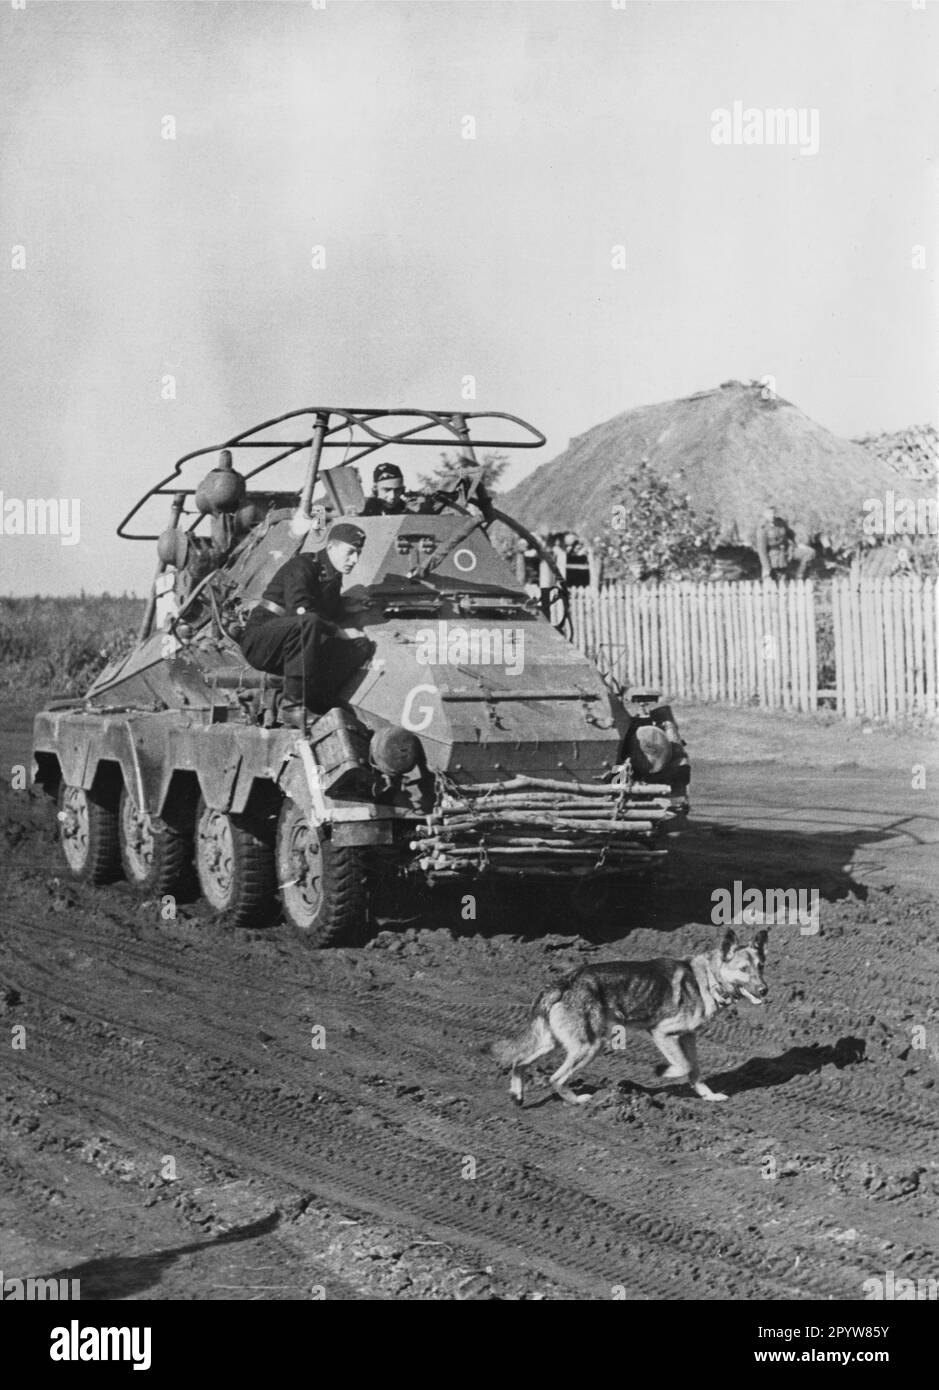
column 174, row 1129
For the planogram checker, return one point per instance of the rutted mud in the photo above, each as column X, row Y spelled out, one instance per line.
column 389, row 1163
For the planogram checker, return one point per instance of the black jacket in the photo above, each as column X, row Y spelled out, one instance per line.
column 411, row 504
column 308, row 581
column 374, row 506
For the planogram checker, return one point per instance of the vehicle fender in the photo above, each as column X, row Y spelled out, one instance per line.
column 300, row 780
column 82, row 746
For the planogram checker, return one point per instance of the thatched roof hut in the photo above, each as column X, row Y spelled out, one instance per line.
column 733, row 451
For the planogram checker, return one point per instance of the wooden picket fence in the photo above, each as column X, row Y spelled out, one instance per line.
column 886, row 647
column 758, row 643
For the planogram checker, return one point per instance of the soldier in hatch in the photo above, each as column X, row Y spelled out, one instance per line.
column 388, row 496
column 292, row 631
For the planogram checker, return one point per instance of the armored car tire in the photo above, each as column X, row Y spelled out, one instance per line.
column 322, row 885
column 88, row 834
column 235, row 867
column 156, row 856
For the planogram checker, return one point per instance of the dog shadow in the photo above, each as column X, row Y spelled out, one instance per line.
column 760, row 1073
column 757, row 1074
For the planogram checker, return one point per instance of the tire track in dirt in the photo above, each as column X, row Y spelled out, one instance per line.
column 211, row 1072
column 112, row 1102
column 515, row 1208
column 177, row 1038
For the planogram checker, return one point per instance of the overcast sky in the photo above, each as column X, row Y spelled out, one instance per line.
column 446, row 257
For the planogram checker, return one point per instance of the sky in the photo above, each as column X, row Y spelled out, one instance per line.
column 527, row 193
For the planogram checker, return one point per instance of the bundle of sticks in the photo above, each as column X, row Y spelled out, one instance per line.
column 543, row 827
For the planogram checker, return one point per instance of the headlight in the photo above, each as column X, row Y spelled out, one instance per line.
column 649, row 749
column 394, row 750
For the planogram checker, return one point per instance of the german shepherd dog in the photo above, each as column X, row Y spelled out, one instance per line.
column 668, row 999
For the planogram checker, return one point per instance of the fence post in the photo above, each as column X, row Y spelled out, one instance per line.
column 852, row 595
column 811, row 637
column 929, row 646
column 917, row 694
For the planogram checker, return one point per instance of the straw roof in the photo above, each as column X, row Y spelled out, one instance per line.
column 732, row 452
column 913, row 453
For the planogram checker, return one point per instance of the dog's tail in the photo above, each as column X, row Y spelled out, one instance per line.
column 508, row 1051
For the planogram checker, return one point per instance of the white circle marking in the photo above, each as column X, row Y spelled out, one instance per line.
column 466, row 565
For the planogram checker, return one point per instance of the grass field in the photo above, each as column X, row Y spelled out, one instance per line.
column 56, row 646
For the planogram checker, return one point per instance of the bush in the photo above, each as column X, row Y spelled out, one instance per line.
column 661, row 536
column 57, row 646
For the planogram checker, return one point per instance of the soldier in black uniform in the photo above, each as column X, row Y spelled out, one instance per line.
column 390, row 499
column 292, row 631
column 388, row 496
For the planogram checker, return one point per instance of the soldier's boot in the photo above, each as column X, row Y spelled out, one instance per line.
column 345, row 657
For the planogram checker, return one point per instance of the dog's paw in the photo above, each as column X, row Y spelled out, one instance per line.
column 572, row 1097
column 714, row 1095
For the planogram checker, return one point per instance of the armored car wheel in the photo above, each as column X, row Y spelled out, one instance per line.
column 157, row 857
column 235, row 866
column 88, row 835
column 322, row 886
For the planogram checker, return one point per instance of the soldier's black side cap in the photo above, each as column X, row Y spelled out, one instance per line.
column 384, row 471
column 346, row 531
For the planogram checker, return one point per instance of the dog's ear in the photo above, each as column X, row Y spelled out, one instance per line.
column 759, row 941
column 728, row 945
